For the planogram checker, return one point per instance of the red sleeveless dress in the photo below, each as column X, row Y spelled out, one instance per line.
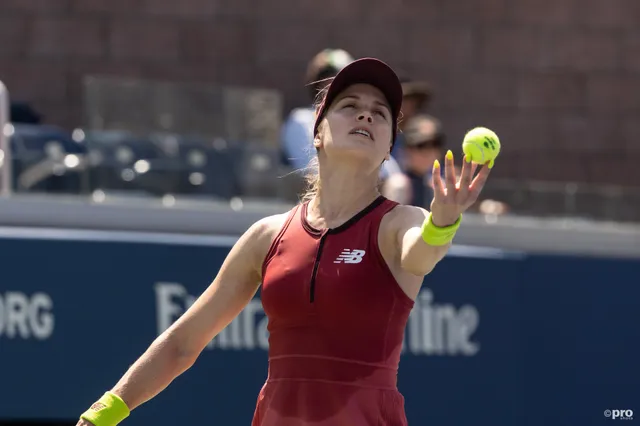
column 336, row 320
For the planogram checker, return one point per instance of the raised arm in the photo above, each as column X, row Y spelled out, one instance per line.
column 175, row 350
column 424, row 237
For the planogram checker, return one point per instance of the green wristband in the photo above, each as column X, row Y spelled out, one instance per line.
column 107, row 411
column 437, row 236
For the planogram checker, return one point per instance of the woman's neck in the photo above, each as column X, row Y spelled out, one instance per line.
column 341, row 196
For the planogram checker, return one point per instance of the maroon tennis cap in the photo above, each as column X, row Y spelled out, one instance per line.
column 365, row 71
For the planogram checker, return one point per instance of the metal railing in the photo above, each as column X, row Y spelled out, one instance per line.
column 5, row 151
column 566, row 200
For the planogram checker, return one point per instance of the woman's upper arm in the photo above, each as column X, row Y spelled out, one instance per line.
column 407, row 220
column 234, row 286
column 416, row 257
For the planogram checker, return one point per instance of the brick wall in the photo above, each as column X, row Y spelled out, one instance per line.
column 558, row 79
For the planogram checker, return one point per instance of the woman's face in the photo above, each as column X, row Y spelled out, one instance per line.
column 358, row 126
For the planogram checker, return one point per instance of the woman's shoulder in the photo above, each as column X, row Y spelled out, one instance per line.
column 269, row 226
column 264, row 231
column 257, row 240
column 404, row 213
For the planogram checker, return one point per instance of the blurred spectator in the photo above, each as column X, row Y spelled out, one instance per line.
column 424, row 143
column 417, row 97
column 297, row 131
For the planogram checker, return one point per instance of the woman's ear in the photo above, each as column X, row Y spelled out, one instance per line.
column 317, row 139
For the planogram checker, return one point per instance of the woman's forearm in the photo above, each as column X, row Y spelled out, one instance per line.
column 161, row 363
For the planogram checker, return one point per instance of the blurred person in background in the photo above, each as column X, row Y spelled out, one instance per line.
column 340, row 273
column 297, row 131
column 424, row 143
column 417, row 97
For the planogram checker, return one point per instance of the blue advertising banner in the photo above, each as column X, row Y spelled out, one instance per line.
column 495, row 338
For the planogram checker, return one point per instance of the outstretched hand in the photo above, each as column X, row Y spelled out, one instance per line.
column 452, row 198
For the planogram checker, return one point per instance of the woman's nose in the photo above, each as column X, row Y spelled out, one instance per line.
column 365, row 116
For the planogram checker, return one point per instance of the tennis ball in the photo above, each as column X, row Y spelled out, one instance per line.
column 481, row 145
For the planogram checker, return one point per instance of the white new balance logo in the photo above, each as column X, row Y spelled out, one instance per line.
column 350, row 256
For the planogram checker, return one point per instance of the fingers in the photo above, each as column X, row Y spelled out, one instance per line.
column 450, row 174
column 467, row 172
column 469, row 188
column 465, row 176
column 478, row 183
column 438, row 185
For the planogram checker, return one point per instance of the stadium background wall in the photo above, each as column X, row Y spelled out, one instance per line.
column 497, row 337
column 558, row 77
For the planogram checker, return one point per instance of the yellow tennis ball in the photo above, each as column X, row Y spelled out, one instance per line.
column 481, row 145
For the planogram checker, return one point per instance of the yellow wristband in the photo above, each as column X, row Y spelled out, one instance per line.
column 107, row 411
column 437, row 236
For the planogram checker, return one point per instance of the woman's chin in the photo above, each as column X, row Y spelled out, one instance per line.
column 357, row 151
column 358, row 155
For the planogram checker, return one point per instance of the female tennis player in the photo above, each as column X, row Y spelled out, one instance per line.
column 340, row 273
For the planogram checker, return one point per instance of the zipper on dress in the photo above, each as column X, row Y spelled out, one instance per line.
column 316, row 264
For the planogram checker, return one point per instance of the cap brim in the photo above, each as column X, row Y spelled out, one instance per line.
column 365, row 71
